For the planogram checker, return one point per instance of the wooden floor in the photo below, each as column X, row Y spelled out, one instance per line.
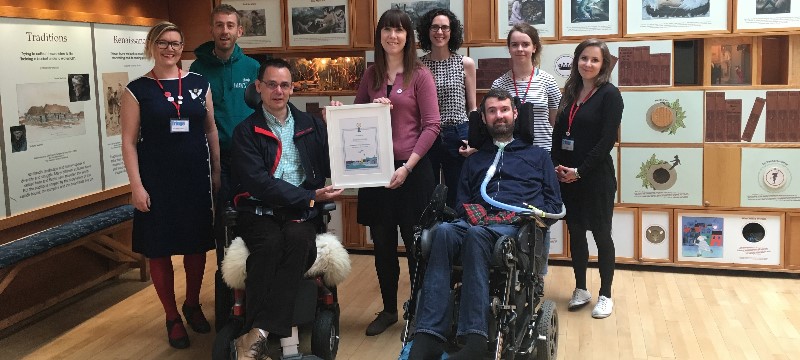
column 658, row 315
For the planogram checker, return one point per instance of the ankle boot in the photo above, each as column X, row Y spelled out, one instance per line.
column 252, row 345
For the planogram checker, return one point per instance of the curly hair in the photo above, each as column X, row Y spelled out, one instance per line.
column 424, row 28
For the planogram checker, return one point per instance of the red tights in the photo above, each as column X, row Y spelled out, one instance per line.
column 164, row 281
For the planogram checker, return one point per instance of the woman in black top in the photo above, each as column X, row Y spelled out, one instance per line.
column 585, row 132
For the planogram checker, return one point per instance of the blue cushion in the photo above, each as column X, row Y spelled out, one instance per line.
column 35, row 244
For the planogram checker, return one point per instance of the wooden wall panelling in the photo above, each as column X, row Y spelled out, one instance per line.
column 354, row 236
column 362, row 21
column 791, row 241
column 794, row 55
column 479, row 21
column 194, row 20
column 139, row 12
column 722, row 180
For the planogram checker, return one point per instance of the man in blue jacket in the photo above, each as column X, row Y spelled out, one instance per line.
column 524, row 176
column 280, row 162
column 229, row 71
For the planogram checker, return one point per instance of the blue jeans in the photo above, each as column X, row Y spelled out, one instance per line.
column 473, row 245
column 445, row 157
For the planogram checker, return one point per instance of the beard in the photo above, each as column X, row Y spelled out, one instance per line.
column 501, row 130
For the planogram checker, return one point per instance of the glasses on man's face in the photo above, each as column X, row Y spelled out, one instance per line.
column 273, row 85
column 175, row 45
column 443, row 28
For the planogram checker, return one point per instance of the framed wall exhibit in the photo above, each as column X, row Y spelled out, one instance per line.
column 641, row 63
column 752, row 239
column 539, row 13
column 662, row 117
column 663, row 176
column 556, row 60
column 767, row 178
column 655, row 235
column 48, row 93
column 655, row 17
column 751, row 116
column 316, row 23
column 757, row 15
column 558, row 246
column 623, row 232
column 261, row 22
column 730, row 60
column 589, row 18
column 360, row 142
column 417, row 8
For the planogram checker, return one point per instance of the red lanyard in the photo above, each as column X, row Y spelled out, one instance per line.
column 168, row 95
column 574, row 110
column 514, row 80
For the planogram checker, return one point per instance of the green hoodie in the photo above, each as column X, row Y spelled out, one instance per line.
column 228, row 81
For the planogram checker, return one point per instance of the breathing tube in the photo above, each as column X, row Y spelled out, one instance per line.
column 519, row 210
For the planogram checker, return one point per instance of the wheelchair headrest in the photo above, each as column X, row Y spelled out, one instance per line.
column 478, row 135
column 251, row 97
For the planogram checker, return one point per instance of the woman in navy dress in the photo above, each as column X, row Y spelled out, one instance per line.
column 171, row 153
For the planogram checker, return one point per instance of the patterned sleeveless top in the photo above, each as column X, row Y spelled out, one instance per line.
column 449, row 76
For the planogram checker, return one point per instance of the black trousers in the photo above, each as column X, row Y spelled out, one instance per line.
column 275, row 267
column 579, row 250
column 387, row 264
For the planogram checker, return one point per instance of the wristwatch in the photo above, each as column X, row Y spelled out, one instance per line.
column 577, row 176
column 311, row 203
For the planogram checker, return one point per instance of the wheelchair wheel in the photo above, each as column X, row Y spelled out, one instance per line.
column 547, row 325
column 325, row 335
column 228, row 333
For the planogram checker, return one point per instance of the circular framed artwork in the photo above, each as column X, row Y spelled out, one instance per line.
column 662, row 176
column 660, row 117
column 655, row 234
column 774, row 177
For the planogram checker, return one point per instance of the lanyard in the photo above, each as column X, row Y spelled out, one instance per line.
column 514, row 80
column 168, row 95
column 574, row 110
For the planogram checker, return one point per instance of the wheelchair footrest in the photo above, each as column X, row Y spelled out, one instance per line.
column 300, row 357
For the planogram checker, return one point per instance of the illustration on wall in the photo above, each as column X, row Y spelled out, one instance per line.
column 539, row 13
column 655, row 234
column 677, row 16
column 731, row 64
column 659, row 174
column 48, row 113
column 318, row 23
column 640, row 66
column 767, row 178
column 668, row 9
column 260, row 21
column 775, row 176
column 114, row 85
column 766, row 14
column 702, row 237
column 666, row 116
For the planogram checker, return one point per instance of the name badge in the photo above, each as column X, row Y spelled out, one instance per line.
column 178, row 125
column 567, row 144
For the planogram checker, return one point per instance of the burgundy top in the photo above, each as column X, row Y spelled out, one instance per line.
column 415, row 110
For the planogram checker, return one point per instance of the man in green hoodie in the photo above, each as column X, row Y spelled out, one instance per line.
column 229, row 71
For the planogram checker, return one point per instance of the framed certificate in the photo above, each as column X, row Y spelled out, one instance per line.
column 360, row 142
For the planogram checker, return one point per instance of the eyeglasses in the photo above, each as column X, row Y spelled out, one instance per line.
column 272, row 85
column 436, row 28
column 175, row 45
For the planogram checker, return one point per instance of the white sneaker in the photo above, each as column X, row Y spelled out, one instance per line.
column 603, row 308
column 580, row 297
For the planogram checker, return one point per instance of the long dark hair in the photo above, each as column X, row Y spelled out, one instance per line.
column 424, row 30
column 395, row 18
column 574, row 84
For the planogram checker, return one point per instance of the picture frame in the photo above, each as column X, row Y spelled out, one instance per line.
column 539, row 13
column 734, row 238
column 316, row 23
column 655, row 235
column 661, row 175
column 668, row 17
column 592, row 18
column 360, row 145
column 417, row 8
column 755, row 15
column 261, row 23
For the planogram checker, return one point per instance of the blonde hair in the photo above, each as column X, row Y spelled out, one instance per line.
column 155, row 33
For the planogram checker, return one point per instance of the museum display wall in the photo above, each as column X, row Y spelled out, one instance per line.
column 707, row 148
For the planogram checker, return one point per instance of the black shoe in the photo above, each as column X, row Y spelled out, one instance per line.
column 381, row 323
column 176, row 334
column 197, row 321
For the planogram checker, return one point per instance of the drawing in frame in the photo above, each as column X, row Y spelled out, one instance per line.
column 417, row 8
column 754, row 15
column 315, row 23
column 596, row 18
column 360, row 143
column 539, row 13
column 664, row 17
column 261, row 23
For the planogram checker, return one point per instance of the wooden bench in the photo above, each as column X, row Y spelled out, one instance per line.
column 94, row 232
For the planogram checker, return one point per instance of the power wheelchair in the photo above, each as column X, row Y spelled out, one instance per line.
column 316, row 308
column 522, row 325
